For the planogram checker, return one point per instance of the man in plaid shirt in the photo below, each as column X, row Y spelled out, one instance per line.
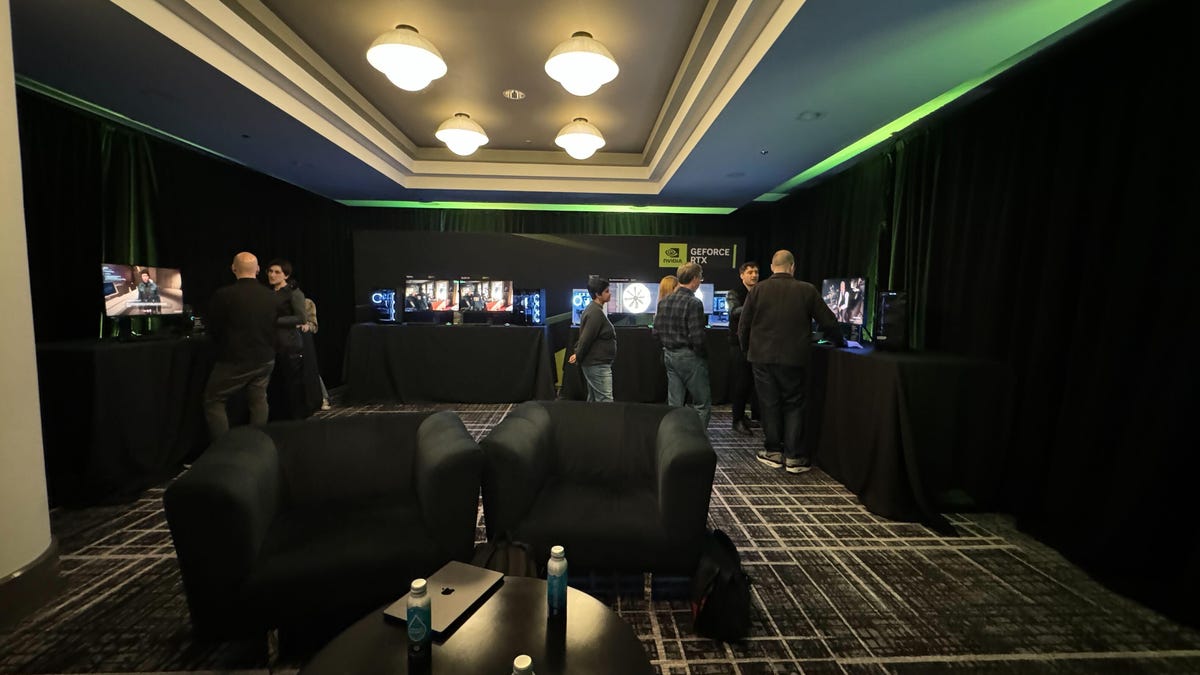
column 679, row 327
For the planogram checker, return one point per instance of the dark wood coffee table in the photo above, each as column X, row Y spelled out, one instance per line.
column 511, row 622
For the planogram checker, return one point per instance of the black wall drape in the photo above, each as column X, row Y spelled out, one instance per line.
column 1049, row 224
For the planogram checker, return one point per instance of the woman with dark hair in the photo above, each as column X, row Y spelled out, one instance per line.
column 291, row 324
column 597, row 346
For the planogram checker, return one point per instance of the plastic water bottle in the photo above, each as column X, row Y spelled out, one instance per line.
column 556, row 584
column 418, row 618
column 522, row 665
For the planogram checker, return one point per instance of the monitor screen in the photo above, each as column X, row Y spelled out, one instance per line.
column 484, row 295
column 847, row 298
column 138, row 290
column 720, row 311
column 633, row 297
column 384, row 302
column 429, row 295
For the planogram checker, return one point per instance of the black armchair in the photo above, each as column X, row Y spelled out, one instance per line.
column 623, row 486
column 302, row 524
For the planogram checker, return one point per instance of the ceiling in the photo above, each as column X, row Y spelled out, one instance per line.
column 718, row 103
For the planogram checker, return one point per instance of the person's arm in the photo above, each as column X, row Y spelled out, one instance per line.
column 734, row 304
column 745, row 323
column 296, row 307
column 695, row 328
column 588, row 331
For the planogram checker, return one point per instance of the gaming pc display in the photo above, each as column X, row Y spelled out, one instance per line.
column 384, row 302
column 529, row 306
column 579, row 302
column 428, row 295
column 719, row 316
column 847, row 299
column 138, row 290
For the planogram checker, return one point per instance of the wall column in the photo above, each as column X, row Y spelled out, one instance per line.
column 28, row 555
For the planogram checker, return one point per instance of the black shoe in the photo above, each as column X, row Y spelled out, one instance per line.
column 740, row 427
column 753, row 423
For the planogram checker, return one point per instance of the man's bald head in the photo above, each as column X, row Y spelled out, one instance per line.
column 245, row 265
column 783, row 261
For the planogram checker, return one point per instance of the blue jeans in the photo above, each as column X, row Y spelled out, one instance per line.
column 782, row 403
column 599, row 382
column 687, row 372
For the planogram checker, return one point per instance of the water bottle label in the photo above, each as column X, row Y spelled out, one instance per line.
column 418, row 625
column 556, row 586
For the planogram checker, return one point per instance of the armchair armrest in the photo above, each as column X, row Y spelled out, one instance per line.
column 686, row 464
column 517, row 454
column 219, row 513
column 449, row 465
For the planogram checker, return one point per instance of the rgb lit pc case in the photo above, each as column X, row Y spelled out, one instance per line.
column 720, row 310
column 529, row 306
column 383, row 300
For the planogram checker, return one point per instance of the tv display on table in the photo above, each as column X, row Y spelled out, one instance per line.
column 140, row 290
column 428, row 295
column 847, row 298
column 484, row 295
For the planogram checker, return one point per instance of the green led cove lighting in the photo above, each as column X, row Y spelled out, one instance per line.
column 1061, row 16
column 514, row 206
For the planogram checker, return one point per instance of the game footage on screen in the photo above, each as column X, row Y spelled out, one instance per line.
column 846, row 297
column 423, row 295
column 485, row 296
column 137, row 290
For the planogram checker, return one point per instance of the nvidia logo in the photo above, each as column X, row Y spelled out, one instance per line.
column 672, row 252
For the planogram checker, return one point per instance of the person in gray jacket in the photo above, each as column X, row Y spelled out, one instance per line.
column 597, row 346
column 774, row 333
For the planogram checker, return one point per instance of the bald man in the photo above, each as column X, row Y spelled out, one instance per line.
column 775, row 333
column 241, row 320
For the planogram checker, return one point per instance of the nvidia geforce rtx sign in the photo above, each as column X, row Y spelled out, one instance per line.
column 676, row 253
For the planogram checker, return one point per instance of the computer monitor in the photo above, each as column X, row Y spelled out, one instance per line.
column 847, row 299
column 140, row 290
column 484, row 295
column 720, row 310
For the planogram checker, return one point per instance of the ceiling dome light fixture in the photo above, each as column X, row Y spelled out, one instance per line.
column 581, row 139
column 581, row 64
column 410, row 61
column 461, row 134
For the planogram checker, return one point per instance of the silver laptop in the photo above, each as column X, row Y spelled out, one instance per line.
column 455, row 591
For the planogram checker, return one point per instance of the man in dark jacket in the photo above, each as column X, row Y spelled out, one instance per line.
column 241, row 320
column 741, row 376
column 596, row 348
column 775, row 332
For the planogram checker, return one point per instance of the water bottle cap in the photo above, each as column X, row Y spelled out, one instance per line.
column 522, row 663
column 558, row 552
column 417, row 587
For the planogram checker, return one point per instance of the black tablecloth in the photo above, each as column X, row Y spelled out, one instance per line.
column 911, row 434
column 119, row 417
column 459, row 364
column 638, row 373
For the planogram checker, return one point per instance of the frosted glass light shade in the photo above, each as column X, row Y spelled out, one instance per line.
column 581, row 64
column 581, row 139
column 410, row 61
column 461, row 134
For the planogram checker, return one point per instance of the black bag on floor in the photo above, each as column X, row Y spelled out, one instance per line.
column 720, row 591
column 512, row 558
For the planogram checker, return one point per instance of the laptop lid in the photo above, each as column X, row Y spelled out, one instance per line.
column 454, row 592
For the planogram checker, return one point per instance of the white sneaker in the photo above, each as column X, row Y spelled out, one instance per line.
column 325, row 404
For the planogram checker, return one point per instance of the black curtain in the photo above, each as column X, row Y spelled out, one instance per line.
column 1048, row 224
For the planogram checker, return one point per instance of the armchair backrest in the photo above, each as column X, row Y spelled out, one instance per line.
column 360, row 458
column 609, row 444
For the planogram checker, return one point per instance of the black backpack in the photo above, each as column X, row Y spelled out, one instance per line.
column 720, row 591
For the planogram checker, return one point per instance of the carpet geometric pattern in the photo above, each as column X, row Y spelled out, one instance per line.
column 836, row 590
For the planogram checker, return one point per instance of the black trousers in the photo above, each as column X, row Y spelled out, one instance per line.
column 741, row 385
column 781, row 395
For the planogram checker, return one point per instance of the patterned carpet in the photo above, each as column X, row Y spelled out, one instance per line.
column 837, row 590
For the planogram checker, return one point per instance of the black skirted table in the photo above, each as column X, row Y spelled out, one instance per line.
column 638, row 373
column 911, row 434
column 459, row 364
column 594, row 640
column 118, row 417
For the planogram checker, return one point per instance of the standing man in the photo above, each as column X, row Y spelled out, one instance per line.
column 679, row 326
column 147, row 292
column 775, row 333
column 241, row 319
column 596, row 348
column 741, row 377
